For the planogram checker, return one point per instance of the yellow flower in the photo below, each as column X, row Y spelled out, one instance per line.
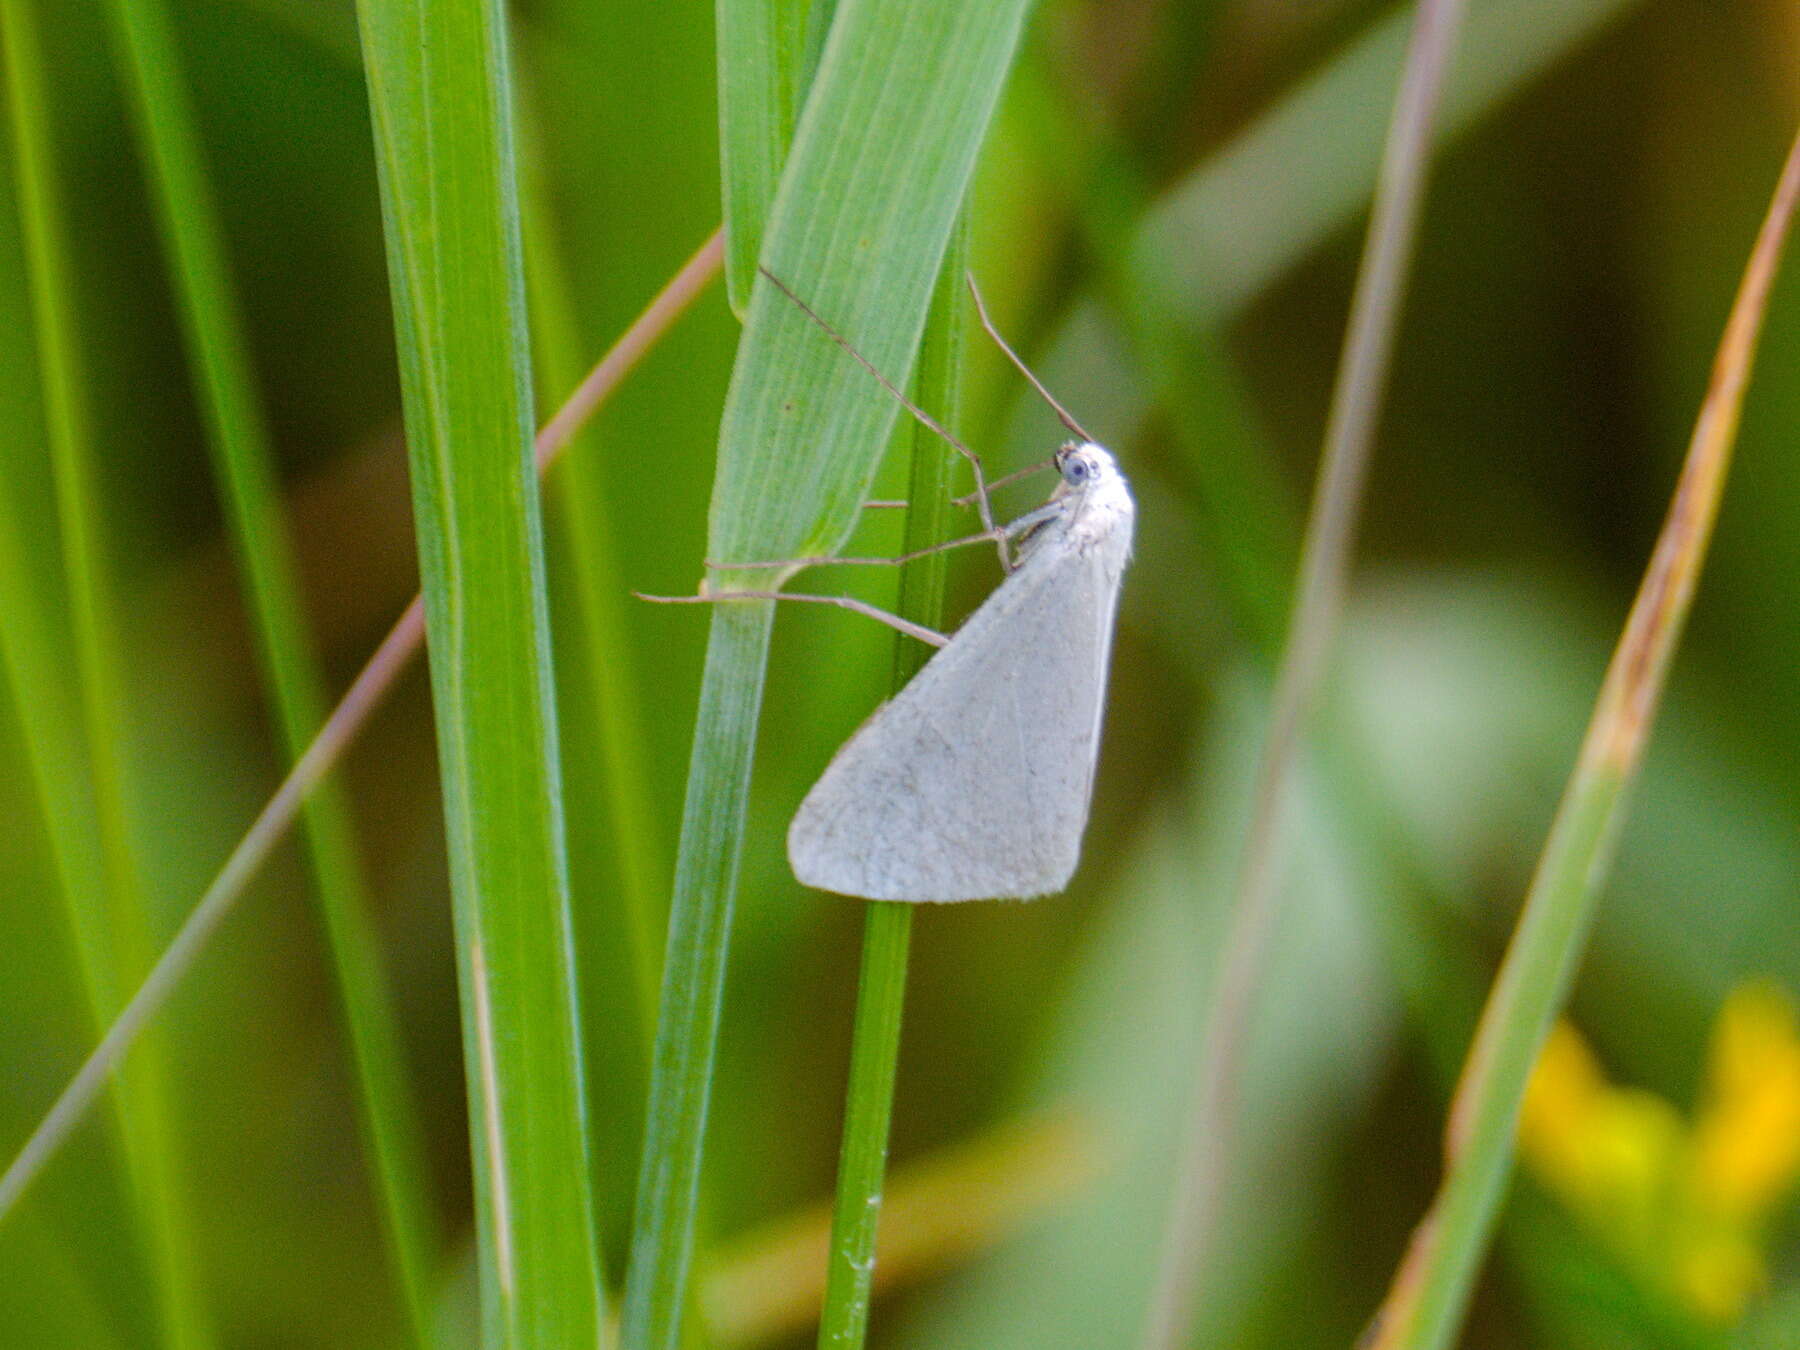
column 1559, row 1102
column 1609, row 1152
column 1747, row 1140
column 1684, row 1205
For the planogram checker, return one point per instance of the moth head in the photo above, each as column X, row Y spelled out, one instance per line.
column 1082, row 463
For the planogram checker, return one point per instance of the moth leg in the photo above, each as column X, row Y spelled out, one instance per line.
column 1011, row 530
column 1004, row 531
column 968, row 499
column 1033, row 518
column 929, row 636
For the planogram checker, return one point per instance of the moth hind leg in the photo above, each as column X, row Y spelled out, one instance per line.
column 929, row 636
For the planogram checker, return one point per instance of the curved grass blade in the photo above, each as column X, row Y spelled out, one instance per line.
column 768, row 50
column 1425, row 1304
column 106, row 903
column 243, row 462
column 859, row 227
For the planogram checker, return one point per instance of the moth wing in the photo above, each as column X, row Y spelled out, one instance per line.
column 974, row 781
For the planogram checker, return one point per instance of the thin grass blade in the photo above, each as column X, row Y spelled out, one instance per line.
column 1430, row 1292
column 1324, row 572
column 887, row 928
column 36, row 657
column 939, row 1213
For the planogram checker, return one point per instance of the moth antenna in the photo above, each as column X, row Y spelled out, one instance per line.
column 923, row 418
column 1062, row 413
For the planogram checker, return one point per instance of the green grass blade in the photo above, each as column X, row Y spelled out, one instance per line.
column 109, row 922
column 768, row 50
column 244, row 465
column 887, row 928
column 1431, row 1291
column 440, row 98
column 860, row 226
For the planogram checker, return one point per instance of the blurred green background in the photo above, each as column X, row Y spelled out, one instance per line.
column 1167, row 220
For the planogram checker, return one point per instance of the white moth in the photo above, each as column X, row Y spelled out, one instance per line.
column 974, row 781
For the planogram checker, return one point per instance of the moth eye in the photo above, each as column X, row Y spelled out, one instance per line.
column 1079, row 470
